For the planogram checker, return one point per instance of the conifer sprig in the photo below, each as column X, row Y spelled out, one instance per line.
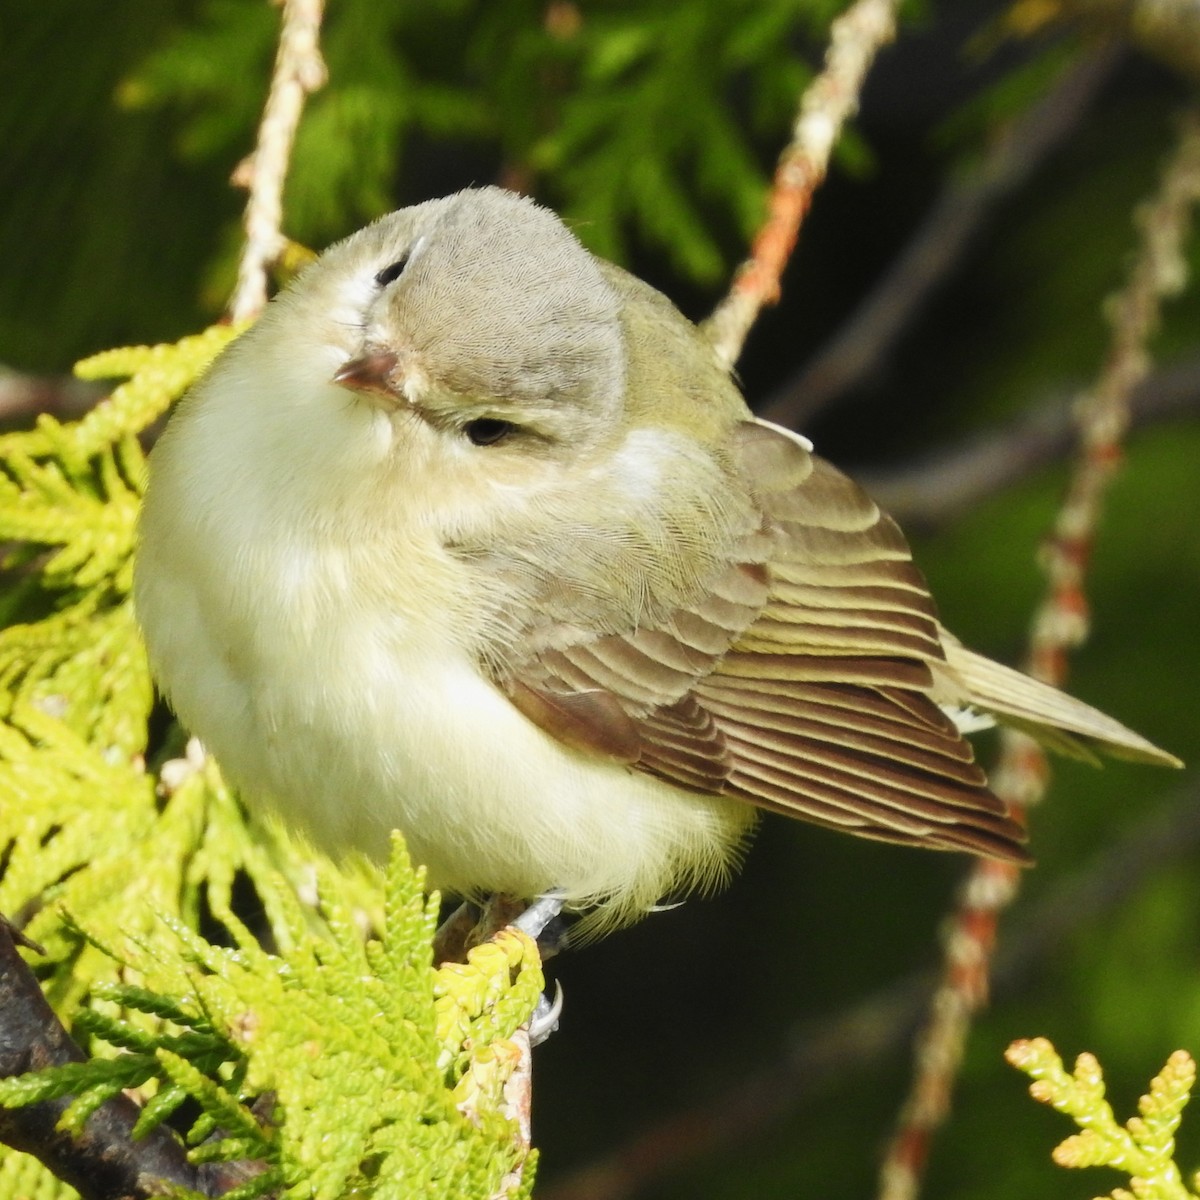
column 1142, row 1148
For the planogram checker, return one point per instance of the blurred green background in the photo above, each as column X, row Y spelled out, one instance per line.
column 653, row 126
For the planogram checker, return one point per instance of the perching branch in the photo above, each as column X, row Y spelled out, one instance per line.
column 518, row 1108
column 299, row 70
column 1059, row 624
column 854, row 40
column 964, row 207
column 102, row 1162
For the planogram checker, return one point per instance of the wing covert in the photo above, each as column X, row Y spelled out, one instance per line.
column 800, row 680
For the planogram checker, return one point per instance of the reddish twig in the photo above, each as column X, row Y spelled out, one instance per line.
column 299, row 70
column 518, row 1108
column 1060, row 624
column 822, row 1054
column 832, row 98
column 966, row 203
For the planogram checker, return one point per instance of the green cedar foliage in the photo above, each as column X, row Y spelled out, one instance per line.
column 640, row 122
column 387, row 1075
column 550, row 89
column 1143, row 1148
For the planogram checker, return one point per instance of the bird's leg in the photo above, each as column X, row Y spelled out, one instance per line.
column 453, row 937
column 540, row 921
column 471, row 924
column 468, row 926
column 499, row 911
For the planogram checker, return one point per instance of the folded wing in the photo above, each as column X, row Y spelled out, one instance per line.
column 808, row 678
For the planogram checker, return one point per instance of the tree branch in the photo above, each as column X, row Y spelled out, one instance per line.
column 957, row 217
column 102, row 1162
column 299, row 70
column 830, row 100
column 938, row 489
column 1059, row 624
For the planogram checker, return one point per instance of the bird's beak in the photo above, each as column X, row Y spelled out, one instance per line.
column 372, row 374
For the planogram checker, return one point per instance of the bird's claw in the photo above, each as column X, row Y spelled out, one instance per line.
column 545, row 1016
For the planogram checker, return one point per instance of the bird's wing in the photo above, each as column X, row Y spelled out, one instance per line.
column 800, row 681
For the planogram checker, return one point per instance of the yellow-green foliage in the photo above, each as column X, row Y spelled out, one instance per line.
column 388, row 1076
column 69, row 497
column 1143, row 1147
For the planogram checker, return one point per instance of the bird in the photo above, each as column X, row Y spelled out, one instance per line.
column 470, row 536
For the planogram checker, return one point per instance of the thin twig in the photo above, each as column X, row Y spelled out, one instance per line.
column 517, row 1106
column 299, row 70
column 940, row 487
column 823, row 1053
column 1059, row 625
column 854, row 40
column 966, row 203
column 23, row 396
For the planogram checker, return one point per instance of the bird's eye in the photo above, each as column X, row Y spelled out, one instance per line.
column 389, row 273
column 487, row 431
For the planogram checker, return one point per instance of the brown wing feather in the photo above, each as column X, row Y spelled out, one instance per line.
column 684, row 744
column 800, row 682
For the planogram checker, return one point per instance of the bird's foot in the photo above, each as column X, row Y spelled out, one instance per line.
column 545, row 1016
column 469, row 926
column 541, row 921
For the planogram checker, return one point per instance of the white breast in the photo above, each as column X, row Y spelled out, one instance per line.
column 356, row 714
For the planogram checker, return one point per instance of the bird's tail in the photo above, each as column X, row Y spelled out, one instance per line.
column 1045, row 713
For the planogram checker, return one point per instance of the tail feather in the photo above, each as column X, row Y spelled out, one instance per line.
column 1044, row 712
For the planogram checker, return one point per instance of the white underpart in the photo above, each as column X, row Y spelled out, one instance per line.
column 485, row 799
column 358, row 713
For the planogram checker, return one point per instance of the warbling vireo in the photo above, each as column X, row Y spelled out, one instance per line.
column 470, row 537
